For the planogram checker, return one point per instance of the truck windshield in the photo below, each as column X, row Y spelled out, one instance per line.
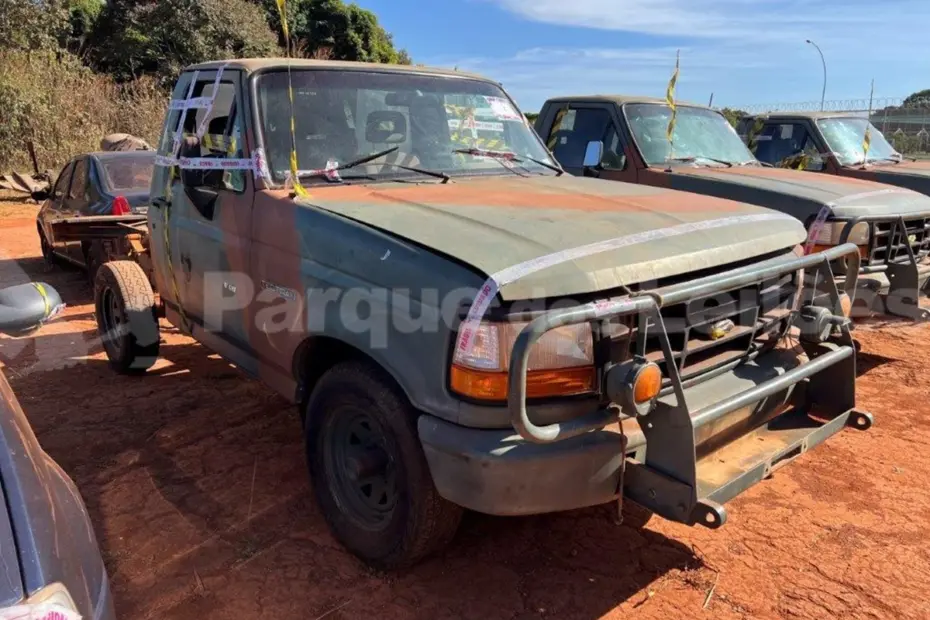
column 700, row 135
column 846, row 137
column 341, row 116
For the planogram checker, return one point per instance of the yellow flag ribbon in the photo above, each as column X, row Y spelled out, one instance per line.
column 298, row 188
column 670, row 99
column 867, row 138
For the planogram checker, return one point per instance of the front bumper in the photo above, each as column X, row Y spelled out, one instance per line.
column 896, row 272
column 706, row 440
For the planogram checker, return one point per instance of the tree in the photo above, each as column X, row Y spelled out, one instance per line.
column 920, row 99
column 734, row 116
column 345, row 31
column 28, row 25
column 161, row 37
column 82, row 17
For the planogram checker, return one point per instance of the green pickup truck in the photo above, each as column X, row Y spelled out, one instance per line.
column 832, row 143
column 465, row 327
column 627, row 136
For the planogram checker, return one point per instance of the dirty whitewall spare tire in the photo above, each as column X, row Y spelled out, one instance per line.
column 368, row 469
column 126, row 322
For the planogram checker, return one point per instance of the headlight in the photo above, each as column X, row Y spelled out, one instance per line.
column 561, row 363
column 831, row 233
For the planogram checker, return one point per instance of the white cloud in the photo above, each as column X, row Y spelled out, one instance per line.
column 743, row 51
column 719, row 18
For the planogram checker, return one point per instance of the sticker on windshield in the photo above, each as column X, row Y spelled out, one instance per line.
column 479, row 125
column 503, row 109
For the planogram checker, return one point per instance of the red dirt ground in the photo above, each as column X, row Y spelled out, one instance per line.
column 194, row 476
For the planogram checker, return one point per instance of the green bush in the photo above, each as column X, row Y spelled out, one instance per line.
column 65, row 108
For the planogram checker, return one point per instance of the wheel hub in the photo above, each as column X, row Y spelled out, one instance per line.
column 360, row 467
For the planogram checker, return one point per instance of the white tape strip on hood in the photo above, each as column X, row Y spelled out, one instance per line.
column 500, row 279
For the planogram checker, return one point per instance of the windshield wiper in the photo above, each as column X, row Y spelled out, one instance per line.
column 369, row 158
column 503, row 156
column 558, row 171
column 691, row 158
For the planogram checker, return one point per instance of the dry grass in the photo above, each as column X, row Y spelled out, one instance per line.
column 66, row 109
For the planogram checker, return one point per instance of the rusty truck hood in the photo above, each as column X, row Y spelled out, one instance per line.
column 494, row 223
column 792, row 190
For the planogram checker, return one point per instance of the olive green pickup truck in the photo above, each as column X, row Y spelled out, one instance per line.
column 628, row 140
column 467, row 327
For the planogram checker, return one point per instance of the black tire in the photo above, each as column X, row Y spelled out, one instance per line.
column 126, row 321
column 50, row 258
column 393, row 534
column 93, row 258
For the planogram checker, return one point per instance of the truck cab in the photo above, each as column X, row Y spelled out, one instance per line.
column 463, row 325
column 628, row 135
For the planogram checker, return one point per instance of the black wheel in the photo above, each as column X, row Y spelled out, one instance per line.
column 369, row 472
column 126, row 320
column 47, row 253
column 93, row 258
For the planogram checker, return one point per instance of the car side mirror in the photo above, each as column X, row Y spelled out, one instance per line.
column 593, row 154
column 27, row 307
column 40, row 195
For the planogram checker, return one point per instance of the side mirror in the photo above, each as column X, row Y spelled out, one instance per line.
column 40, row 195
column 593, row 154
column 27, row 307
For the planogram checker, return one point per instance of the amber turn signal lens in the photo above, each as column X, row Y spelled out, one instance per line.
column 648, row 384
column 484, row 385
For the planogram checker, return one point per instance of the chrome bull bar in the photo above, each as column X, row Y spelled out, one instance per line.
column 670, row 480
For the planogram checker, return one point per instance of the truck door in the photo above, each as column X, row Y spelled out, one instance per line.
column 568, row 132
column 211, row 211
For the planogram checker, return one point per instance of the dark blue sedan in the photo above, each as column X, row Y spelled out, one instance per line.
column 111, row 184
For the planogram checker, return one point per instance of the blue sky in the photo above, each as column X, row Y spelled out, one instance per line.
column 743, row 51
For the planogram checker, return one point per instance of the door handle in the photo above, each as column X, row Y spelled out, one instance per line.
column 186, row 262
column 160, row 202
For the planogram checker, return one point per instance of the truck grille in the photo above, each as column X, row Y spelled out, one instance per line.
column 889, row 241
column 760, row 314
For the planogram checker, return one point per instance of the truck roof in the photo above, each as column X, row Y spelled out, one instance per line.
column 619, row 99
column 802, row 115
column 251, row 65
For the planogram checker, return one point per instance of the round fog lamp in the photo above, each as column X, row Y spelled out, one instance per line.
column 634, row 385
column 647, row 383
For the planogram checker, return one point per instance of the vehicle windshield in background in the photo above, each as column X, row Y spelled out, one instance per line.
column 342, row 116
column 845, row 137
column 704, row 135
column 132, row 173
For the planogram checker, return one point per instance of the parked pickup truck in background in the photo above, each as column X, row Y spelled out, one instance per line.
column 625, row 136
column 465, row 327
column 832, row 143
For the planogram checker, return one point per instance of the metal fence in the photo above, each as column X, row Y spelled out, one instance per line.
column 905, row 123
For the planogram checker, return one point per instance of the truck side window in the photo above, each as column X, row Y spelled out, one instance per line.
column 578, row 127
column 781, row 143
column 222, row 136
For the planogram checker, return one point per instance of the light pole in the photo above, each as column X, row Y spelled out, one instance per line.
column 823, row 93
